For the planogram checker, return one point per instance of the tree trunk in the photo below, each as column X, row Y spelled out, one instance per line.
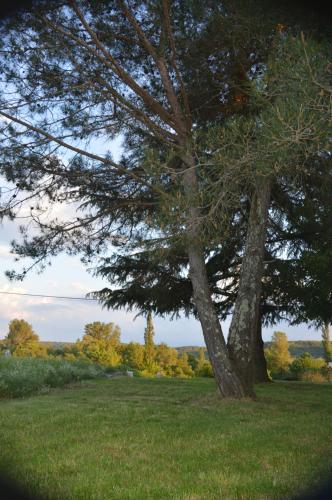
column 227, row 379
column 326, row 342
column 260, row 367
column 244, row 325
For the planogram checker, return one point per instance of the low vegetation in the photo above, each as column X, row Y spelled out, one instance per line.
column 168, row 438
column 21, row 377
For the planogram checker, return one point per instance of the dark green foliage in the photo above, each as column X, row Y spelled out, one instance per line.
column 217, row 47
column 68, row 78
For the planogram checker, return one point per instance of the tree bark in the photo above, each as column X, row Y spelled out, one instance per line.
column 326, row 342
column 244, row 324
column 260, row 366
column 227, row 379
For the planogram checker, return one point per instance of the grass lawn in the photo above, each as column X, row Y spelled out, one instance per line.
column 167, row 438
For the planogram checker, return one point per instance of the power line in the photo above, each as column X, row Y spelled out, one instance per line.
column 48, row 296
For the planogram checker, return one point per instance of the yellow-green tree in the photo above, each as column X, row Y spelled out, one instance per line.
column 149, row 343
column 133, row 355
column 22, row 340
column 203, row 367
column 183, row 364
column 201, row 359
column 166, row 357
column 278, row 356
column 101, row 343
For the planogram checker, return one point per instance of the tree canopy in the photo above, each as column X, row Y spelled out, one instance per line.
column 214, row 107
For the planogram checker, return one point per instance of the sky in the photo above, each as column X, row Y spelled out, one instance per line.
column 63, row 320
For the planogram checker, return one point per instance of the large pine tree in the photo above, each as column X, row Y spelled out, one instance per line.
column 83, row 70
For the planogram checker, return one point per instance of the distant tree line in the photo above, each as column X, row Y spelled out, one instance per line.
column 101, row 344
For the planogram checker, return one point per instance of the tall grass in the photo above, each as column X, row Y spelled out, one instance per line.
column 21, row 377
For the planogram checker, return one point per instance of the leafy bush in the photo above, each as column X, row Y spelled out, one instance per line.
column 312, row 376
column 21, row 377
column 306, row 363
column 205, row 370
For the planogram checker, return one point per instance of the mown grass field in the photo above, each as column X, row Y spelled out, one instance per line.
column 167, row 438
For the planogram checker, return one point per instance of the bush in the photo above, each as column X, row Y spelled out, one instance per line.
column 312, row 376
column 306, row 363
column 205, row 370
column 327, row 372
column 21, row 377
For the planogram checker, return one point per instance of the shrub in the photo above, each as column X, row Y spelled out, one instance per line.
column 306, row 363
column 21, row 377
column 205, row 370
column 312, row 376
column 327, row 372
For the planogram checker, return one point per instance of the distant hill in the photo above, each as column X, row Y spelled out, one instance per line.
column 56, row 345
column 296, row 348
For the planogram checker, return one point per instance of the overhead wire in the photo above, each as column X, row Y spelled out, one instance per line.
column 48, row 296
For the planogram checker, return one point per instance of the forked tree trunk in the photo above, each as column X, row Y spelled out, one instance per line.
column 244, row 324
column 260, row 366
column 227, row 379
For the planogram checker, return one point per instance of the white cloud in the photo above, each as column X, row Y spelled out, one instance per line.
column 20, row 306
column 5, row 251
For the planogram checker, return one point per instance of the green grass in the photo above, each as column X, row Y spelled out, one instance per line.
column 167, row 439
column 21, row 377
